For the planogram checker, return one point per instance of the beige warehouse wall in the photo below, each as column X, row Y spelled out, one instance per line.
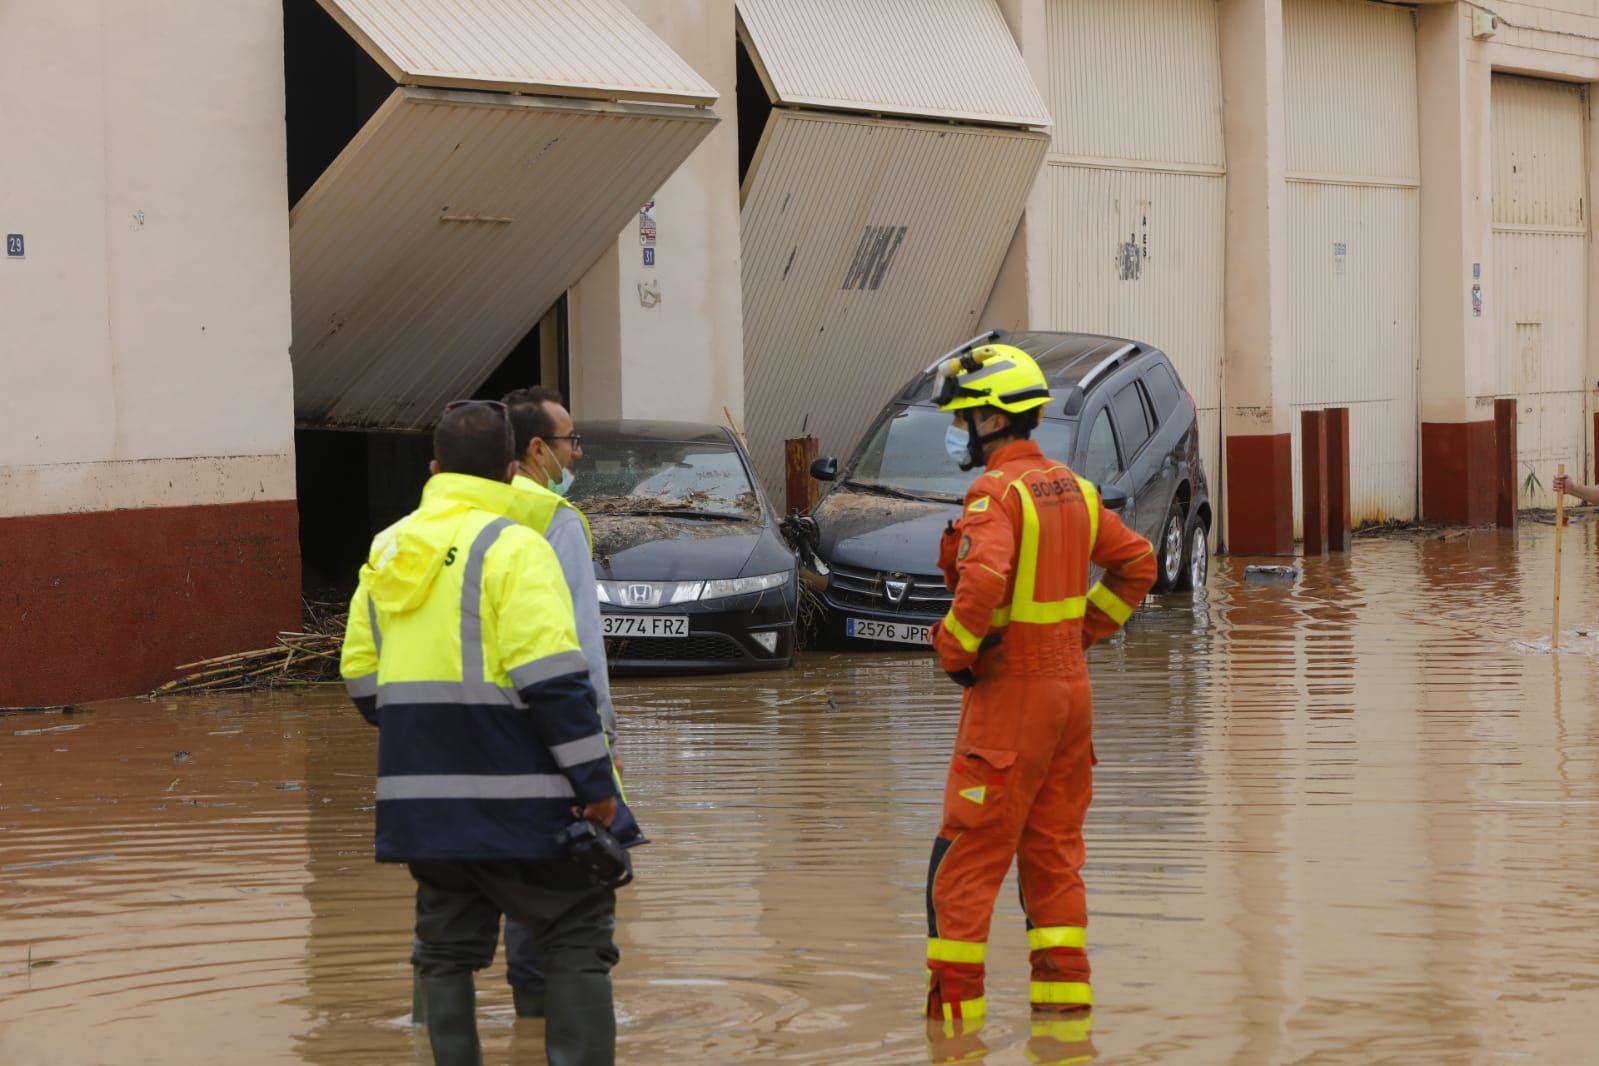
column 148, row 324
column 667, row 341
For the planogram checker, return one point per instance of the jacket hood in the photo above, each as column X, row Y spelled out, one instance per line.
column 406, row 558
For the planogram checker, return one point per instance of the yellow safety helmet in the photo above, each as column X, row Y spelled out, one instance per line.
column 994, row 375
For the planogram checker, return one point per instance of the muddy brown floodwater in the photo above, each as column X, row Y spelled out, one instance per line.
column 1343, row 819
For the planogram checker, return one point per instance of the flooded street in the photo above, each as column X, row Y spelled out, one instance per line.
column 1343, row 819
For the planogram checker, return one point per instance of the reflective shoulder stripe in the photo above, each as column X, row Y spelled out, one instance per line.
column 578, row 752
column 1112, row 604
column 1091, row 499
column 474, row 786
column 363, row 686
column 952, row 626
column 372, row 617
column 978, row 505
column 472, row 659
column 539, row 670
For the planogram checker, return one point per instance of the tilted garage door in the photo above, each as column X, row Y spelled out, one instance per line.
column 871, row 243
column 457, row 216
column 1354, row 172
column 1539, row 272
column 1137, row 178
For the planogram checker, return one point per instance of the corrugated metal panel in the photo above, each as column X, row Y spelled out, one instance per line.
column 1350, row 81
column 950, row 59
column 1540, row 173
column 446, row 228
column 1540, row 282
column 557, row 47
column 1538, row 275
column 1352, row 328
column 870, row 247
column 1140, row 254
column 1136, row 80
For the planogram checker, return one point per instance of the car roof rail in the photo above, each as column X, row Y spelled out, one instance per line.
column 976, row 342
column 1104, row 366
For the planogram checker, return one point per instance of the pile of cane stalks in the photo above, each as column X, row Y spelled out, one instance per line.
column 310, row 657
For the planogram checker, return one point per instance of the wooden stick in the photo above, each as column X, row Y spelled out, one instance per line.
column 1560, row 526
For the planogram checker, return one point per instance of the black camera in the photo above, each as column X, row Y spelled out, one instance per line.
column 591, row 846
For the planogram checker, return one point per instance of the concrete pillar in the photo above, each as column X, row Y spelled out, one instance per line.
column 667, row 341
column 1021, row 297
column 1458, row 478
column 1258, row 452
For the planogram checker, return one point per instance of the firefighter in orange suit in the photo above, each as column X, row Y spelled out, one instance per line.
column 1021, row 779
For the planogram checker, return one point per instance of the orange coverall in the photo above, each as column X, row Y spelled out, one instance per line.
column 1021, row 778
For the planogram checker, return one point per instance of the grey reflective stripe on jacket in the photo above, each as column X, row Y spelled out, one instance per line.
column 474, row 786
column 571, row 543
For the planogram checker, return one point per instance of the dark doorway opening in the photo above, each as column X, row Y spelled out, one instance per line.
column 754, row 108
column 331, row 88
column 355, row 482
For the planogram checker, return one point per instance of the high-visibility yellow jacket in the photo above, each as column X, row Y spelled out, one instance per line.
column 461, row 649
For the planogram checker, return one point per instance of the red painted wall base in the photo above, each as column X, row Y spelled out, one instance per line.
column 1260, row 495
column 107, row 604
column 1459, row 481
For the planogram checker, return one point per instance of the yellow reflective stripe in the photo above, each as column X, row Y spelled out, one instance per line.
column 1001, row 618
column 953, row 627
column 1027, row 559
column 970, row 1009
column 1045, row 613
column 1073, row 993
column 978, row 506
column 1057, row 936
column 1112, row 604
column 1091, row 498
column 956, row 950
column 1067, row 1030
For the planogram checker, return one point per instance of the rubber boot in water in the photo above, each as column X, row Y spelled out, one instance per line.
column 452, row 1020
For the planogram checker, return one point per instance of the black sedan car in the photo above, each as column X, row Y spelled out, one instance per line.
column 693, row 574
column 1120, row 417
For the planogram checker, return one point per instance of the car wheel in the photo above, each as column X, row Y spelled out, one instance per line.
column 1169, row 552
column 1196, row 557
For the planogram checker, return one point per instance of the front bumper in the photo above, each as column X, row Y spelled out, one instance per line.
column 847, row 593
column 721, row 637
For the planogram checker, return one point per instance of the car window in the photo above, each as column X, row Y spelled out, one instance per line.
column 1163, row 391
column 1101, row 465
column 907, row 454
column 1132, row 418
column 619, row 475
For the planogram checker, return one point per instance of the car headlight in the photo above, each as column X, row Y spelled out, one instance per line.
column 743, row 586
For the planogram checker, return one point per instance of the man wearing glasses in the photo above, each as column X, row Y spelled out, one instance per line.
column 462, row 649
column 546, row 448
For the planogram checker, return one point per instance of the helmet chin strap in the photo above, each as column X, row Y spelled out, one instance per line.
column 975, row 440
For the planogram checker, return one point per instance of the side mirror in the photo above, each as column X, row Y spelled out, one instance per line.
column 825, row 468
column 1113, row 497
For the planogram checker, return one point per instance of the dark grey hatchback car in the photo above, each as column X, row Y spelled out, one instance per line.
column 1119, row 417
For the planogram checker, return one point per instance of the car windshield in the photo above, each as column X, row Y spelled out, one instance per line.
column 630, row 475
column 906, row 456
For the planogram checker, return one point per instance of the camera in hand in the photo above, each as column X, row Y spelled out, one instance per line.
column 592, row 847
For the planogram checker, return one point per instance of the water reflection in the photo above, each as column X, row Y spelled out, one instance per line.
column 1344, row 818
